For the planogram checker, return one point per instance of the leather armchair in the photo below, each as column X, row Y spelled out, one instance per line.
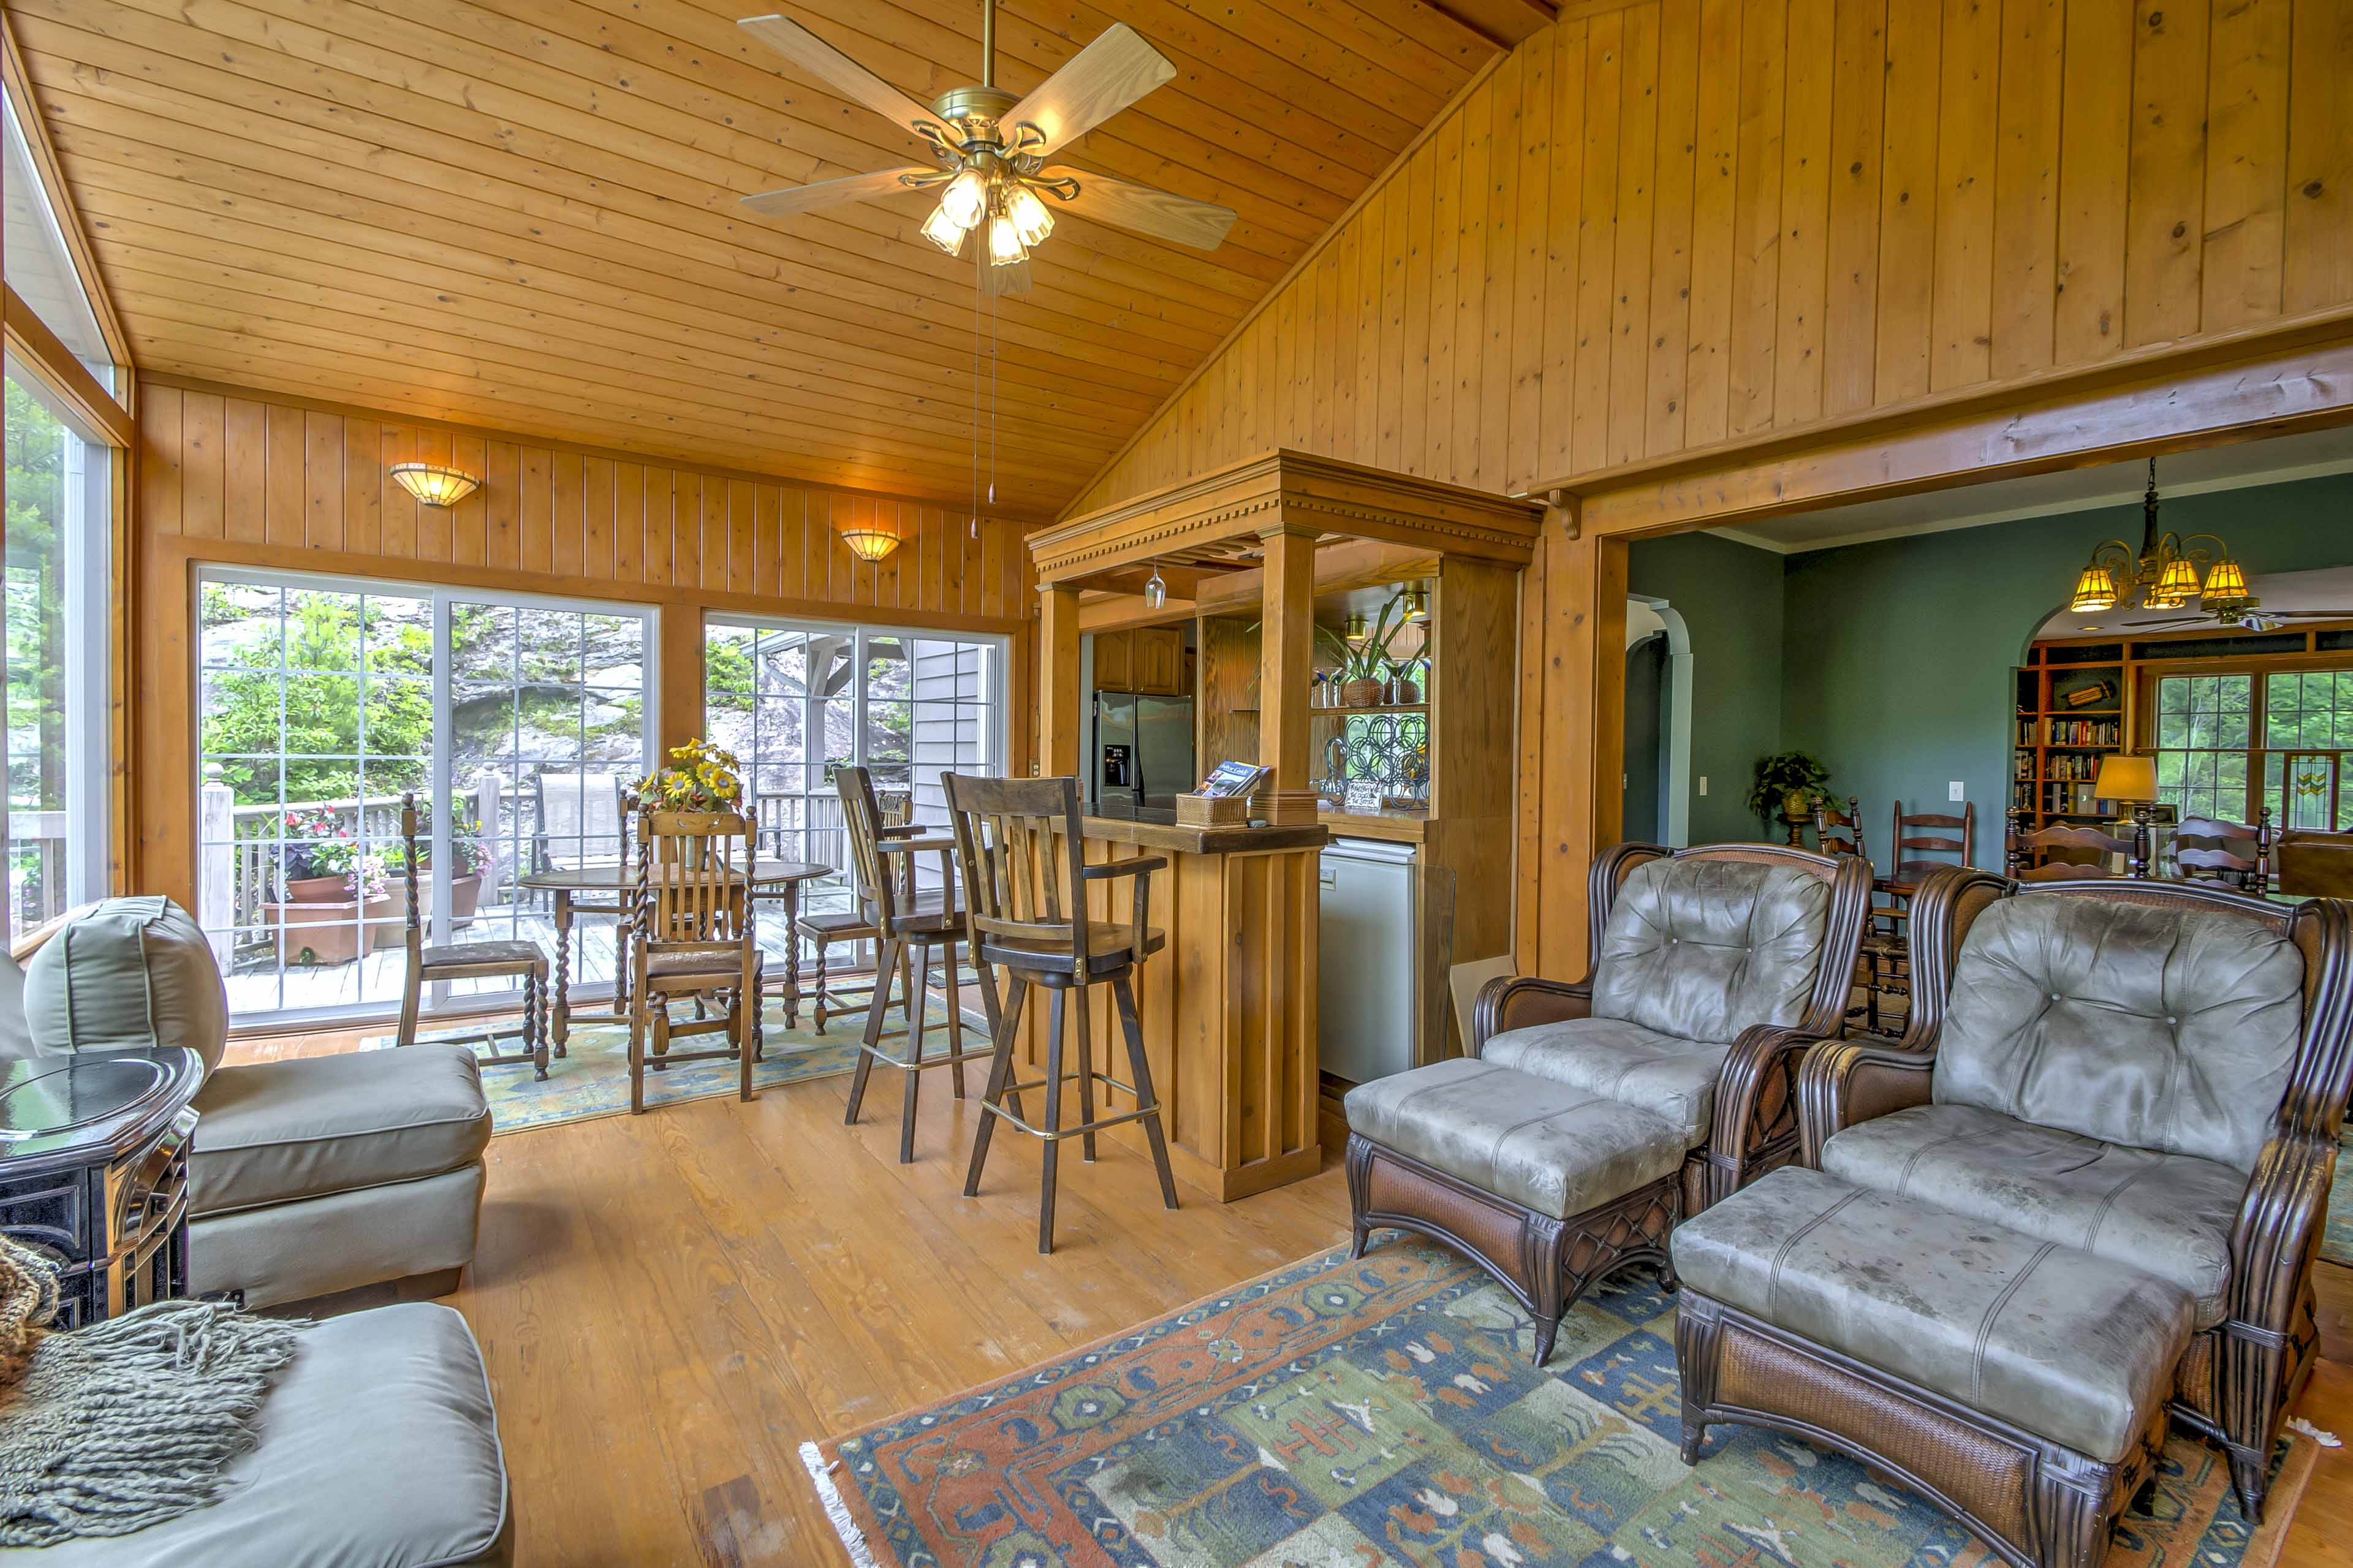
column 1751, row 1124
column 2244, row 1369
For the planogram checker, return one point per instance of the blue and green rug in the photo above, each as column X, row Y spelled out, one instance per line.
column 1382, row 1413
column 592, row 1079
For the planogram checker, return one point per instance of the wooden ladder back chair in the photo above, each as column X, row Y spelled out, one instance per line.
column 2065, row 838
column 821, row 929
column 470, row 961
column 692, row 909
column 1841, row 832
column 2202, row 849
column 1023, row 855
column 884, row 855
column 1929, row 833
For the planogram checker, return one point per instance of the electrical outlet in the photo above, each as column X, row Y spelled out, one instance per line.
column 1954, row 791
column 1703, row 784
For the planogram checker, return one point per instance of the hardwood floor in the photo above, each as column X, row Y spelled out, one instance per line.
column 672, row 1303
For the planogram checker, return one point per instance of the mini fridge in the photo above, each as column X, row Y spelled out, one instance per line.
column 1370, row 941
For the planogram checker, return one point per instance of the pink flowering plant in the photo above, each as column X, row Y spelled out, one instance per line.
column 320, row 843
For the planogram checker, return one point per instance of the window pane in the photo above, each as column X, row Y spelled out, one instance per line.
column 39, row 267
column 57, row 695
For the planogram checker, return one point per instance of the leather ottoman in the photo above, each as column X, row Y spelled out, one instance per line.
column 1546, row 1185
column 2019, row 1384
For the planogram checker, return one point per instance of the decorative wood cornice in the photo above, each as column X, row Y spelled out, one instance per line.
column 1224, row 514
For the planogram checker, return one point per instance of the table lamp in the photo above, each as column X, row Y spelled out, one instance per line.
column 2127, row 780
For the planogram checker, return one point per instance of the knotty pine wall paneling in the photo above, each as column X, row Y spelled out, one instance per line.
column 1685, row 223
column 234, row 478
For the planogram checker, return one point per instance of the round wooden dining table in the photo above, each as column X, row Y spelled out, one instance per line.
column 777, row 880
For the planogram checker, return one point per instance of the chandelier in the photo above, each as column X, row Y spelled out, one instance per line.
column 2167, row 572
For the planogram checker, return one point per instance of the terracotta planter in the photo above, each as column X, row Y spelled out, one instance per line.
column 334, row 889
column 316, row 933
column 465, row 898
column 1360, row 694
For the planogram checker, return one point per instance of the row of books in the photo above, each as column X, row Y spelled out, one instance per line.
column 2074, row 800
column 2072, row 733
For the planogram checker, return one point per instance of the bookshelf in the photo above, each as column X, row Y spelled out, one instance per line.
column 2069, row 712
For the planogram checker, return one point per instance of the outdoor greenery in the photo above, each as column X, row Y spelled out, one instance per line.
column 35, row 598
column 321, row 685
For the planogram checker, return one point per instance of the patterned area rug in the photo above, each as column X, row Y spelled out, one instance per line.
column 593, row 1079
column 1384, row 1411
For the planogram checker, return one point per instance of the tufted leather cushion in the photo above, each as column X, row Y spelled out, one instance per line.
column 1702, row 949
column 2166, row 1214
column 2164, row 1028
column 1544, row 1146
column 2071, row 1347
column 1674, row 1079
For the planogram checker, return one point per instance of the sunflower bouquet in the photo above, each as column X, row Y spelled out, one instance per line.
column 699, row 777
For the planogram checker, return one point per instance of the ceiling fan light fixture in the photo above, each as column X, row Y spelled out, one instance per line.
column 2095, row 591
column 1030, row 218
column 1358, row 630
column 943, row 230
column 1004, row 247
column 965, row 200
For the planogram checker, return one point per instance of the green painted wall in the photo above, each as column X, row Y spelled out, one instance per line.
column 1730, row 596
column 1896, row 656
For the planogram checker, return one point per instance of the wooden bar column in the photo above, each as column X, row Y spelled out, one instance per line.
column 1286, row 666
column 1059, row 726
column 1572, row 734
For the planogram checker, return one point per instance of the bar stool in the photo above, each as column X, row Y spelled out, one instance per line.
column 912, row 926
column 1009, row 835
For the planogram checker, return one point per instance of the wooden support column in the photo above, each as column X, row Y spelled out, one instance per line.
column 678, row 678
column 1286, row 667
column 1059, row 724
column 1572, row 735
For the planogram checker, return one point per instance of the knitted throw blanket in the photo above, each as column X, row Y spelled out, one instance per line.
column 127, row 1423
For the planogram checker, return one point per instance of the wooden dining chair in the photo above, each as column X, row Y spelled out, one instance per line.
column 2212, row 850
column 2071, row 851
column 470, row 961
column 1023, row 857
column 1841, row 832
column 821, row 929
column 912, row 927
column 692, row 912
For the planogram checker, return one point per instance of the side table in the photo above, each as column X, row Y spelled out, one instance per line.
column 94, row 1172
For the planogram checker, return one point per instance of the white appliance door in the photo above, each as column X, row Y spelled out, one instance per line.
column 1366, row 958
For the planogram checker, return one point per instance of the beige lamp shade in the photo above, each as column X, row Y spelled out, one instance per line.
column 2126, row 778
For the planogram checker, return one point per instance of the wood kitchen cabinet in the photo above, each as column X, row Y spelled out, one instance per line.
column 1146, row 660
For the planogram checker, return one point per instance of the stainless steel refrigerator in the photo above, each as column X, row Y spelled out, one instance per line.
column 1144, row 749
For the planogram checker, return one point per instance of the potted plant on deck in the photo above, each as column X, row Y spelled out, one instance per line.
column 1788, row 784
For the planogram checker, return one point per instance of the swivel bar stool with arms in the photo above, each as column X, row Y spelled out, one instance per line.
column 1025, row 884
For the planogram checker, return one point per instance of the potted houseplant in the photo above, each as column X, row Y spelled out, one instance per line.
column 468, row 857
column 699, row 777
column 1364, row 662
column 1789, row 784
column 318, row 854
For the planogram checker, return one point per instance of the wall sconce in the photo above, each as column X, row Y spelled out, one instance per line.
column 435, row 485
column 868, row 541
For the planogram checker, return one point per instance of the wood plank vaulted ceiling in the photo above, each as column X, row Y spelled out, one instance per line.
column 521, row 213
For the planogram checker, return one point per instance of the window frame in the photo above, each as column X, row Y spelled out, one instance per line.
column 440, row 597
column 2257, row 668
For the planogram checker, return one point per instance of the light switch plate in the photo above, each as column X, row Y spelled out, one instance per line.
column 1703, row 784
column 1954, row 791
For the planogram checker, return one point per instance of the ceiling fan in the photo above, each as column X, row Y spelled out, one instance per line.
column 991, row 150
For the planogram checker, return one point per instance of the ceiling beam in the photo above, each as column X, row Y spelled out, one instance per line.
column 1503, row 23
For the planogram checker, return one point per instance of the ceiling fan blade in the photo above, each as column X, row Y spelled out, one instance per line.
column 830, row 193
column 2170, row 621
column 1097, row 82
column 1160, row 213
column 2305, row 614
column 836, row 70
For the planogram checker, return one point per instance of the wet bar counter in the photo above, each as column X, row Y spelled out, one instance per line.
column 1228, row 1007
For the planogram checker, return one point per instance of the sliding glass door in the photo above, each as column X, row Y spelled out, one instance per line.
column 795, row 700
column 323, row 702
